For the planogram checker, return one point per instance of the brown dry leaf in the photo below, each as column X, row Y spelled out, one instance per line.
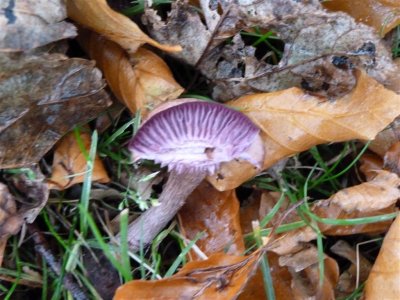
column 383, row 281
column 219, row 277
column 69, row 163
column 372, row 198
column 292, row 121
column 321, row 48
column 369, row 165
column 392, row 158
column 383, row 15
column 141, row 81
column 348, row 279
column 40, row 96
column 386, row 138
column 217, row 215
column 10, row 223
column 99, row 17
column 29, row 24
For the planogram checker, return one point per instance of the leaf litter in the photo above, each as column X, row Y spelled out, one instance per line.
column 335, row 81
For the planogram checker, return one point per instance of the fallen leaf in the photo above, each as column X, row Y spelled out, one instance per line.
column 305, row 272
column 372, row 198
column 383, row 15
column 386, row 138
column 292, row 121
column 3, row 244
column 29, row 24
column 383, row 281
column 141, row 81
column 217, row 215
column 69, row 163
column 348, row 279
column 221, row 276
column 99, row 17
column 321, row 48
column 392, row 158
column 370, row 164
column 40, row 96
column 10, row 223
column 249, row 212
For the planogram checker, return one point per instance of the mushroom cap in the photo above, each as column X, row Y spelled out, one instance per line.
column 196, row 136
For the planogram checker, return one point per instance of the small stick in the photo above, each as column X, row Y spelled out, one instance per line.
column 43, row 249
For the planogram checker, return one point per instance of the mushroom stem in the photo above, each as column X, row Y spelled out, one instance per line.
column 178, row 187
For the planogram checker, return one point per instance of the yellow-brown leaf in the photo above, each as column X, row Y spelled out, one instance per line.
column 98, row 16
column 69, row 163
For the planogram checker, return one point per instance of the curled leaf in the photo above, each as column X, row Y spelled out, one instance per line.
column 69, row 163
column 292, row 121
column 141, row 81
column 99, row 17
column 383, row 281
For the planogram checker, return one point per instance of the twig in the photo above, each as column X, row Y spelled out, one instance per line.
column 43, row 249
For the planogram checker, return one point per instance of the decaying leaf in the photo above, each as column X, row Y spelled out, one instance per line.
column 383, row 281
column 392, row 158
column 372, row 198
column 99, row 17
column 140, row 81
column 348, row 279
column 370, row 164
column 10, row 223
column 40, row 96
column 308, row 122
column 29, row 24
column 386, row 138
column 69, row 163
column 383, row 15
column 217, row 215
column 321, row 48
column 219, row 277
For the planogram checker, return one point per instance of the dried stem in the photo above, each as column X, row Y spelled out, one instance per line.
column 178, row 187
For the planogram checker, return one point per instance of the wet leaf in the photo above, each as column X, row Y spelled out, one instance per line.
column 219, row 277
column 292, row 121
column 99, row 17
column 141, row 81
column 383, row 281
column 383, row 15
column 69, row 162
column 40, row 96
column 29, row 24
column 217, row 215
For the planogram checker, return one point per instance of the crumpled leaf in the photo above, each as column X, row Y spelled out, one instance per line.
column 141, row 81
column 386, row 138
column 383, row 281
column 370, row 163
column 292, row 121
column 35, row 194
column 40, row 96
column 372, row 198
column 10, row 223
column 348, row 279
column 392, row 158
column 383, row 15
column 217, row 215
column 219, row 277
column 99, row 17
column 69, row 163
column 321, row 48
column 29, row 24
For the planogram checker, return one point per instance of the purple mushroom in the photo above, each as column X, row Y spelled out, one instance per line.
column 192, row 138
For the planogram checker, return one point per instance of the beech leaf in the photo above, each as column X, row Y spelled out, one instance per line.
column 35, row 91
column 69, row 163
column 292, row 121
column 99, row 17
column 141, row 81
column 383, row 281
